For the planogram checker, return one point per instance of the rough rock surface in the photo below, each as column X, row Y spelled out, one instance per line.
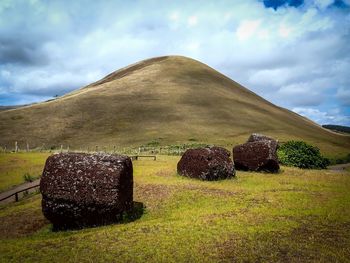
column 81, row 189
column 211, row 163
column 258, row 154
column 256, row 137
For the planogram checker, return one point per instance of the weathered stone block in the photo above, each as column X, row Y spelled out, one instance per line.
column 256, row 137
column 258, row 154
column 81, row 189
column 210, row 164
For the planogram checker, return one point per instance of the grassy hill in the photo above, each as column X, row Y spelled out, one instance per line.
column 337, row 128
column 167, row 99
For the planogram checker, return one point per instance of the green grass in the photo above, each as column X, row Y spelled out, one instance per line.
column 14, row 166
column 294, row 216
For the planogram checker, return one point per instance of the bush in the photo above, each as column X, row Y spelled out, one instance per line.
column 28, row 178
column 302, row 155
column 345, row 159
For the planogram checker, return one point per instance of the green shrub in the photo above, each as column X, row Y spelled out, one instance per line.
column 342, row 160
column 153, row 143
column 28, row 178
column 302, row 155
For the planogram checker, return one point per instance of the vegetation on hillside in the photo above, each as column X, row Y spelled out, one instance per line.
column 337, row 128
column 170, row 100
column 302, row 155
column 345, row 159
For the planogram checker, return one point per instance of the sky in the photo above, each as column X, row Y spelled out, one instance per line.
column 294, row 53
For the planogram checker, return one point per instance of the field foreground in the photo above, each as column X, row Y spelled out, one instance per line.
column 294, row 216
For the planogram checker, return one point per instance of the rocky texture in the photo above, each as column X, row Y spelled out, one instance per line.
column 256, row 137
column 210, row 164
column 81, row 190
column 258, row 154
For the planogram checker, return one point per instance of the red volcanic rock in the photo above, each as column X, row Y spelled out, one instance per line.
column 258, row 154
column 81, row 189
column 209, row 164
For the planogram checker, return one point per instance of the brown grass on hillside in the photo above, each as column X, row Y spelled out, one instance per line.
column 169, row 100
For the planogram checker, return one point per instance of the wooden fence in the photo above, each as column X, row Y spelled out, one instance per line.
column 141, row 150
column 16, row 194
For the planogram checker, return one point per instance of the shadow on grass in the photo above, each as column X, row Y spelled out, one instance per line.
column 131, row 215
column 135, row 213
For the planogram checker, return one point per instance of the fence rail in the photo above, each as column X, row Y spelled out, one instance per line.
column 17, row 192
column 136, row 157
column 176, row 149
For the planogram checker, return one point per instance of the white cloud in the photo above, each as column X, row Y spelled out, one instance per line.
column 344, row 96
column 247, row 28
column 322, row 4
column 284, row 30
column 331, row 117
column 174, row 16
column 192, row 21
column 295, row 57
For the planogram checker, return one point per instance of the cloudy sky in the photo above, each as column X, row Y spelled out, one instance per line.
column 294, row 53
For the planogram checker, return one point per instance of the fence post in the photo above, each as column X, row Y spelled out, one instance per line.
column 42, row 147
column 27, row 147
column 61, row 148
column 68, row 149
column 16, row 146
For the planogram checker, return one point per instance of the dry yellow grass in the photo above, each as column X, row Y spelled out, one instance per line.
column 168, row 99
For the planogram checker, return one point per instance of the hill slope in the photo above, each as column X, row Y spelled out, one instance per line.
column 169, row 99
column 337, row 128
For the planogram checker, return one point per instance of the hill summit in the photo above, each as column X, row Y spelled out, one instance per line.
column 171, row 99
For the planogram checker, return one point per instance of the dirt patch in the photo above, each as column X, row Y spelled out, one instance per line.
column 211, row 218
column 153, row 195
column 292, row 189
column 339, row 167
column 311, row 242
column 212, row 191
column 22, row 224
column 165, row 173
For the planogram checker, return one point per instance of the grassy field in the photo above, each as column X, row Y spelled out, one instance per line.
column 170, row 100
column 294, row 216
column 13, row 167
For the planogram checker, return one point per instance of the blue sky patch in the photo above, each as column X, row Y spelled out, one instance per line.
column 277, row 3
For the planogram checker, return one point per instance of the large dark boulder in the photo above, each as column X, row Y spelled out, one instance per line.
column 210, row 163
column 81, row 189
column 258, row 154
